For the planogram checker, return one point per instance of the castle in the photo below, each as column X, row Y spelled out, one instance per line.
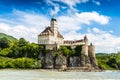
column 52, row 38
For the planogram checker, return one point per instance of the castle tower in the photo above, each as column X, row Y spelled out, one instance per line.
column 84, row 55
column 54, row 28
column 91, row 52
column 85, row 39
column 85, row 50
column 85, row 46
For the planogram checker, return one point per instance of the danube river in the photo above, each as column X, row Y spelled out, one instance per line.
column 10, row 74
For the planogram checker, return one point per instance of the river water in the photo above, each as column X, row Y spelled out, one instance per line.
column 10, row 74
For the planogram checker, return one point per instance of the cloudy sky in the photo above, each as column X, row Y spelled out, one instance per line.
column 98, row 19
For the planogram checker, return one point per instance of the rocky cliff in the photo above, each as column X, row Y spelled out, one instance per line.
column 86, row 58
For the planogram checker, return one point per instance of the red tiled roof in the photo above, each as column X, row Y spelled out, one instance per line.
column 59, row 35
column 71, row 41
column 48, row 31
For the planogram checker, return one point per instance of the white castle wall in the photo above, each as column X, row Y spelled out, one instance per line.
column 48, row 39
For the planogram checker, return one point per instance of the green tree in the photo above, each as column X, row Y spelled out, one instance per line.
column 14, row 52
column 113, row 63
column 64, row 51
column 33, row 50
column 4, row 42
column 78, row 50
column 5, row 52
column 22, row 42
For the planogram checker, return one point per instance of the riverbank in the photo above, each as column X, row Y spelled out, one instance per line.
column 58, row 70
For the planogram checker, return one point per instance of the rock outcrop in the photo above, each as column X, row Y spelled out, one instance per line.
column 74, row 62
column 50, row 61
column 60, row 62
column 47, row 60
column 86, row 58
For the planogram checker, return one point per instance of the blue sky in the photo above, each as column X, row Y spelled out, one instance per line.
column 98, row 19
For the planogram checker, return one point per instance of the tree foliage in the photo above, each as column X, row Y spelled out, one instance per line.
column 19, row 54
column 109, row 61
column 66, row 51
column 22, row 42
column 4, row 42
column 19, row 63
column 78, row 50
column 22, row 49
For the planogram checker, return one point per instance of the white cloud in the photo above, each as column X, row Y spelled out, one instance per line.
column 67, row 23
column 18, row 31
column 72, row 2
column 104, row 41
column 96, row 30
column 29, row 25
column 74, row 22
column 56, row 9
column 96, row 2
column 86, row 17
column 73, row 35
column 4, row 27
column 63, row 7
column 71, row 5
column 50, row 2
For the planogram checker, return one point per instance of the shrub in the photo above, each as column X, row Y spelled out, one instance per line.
column 23, row 63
